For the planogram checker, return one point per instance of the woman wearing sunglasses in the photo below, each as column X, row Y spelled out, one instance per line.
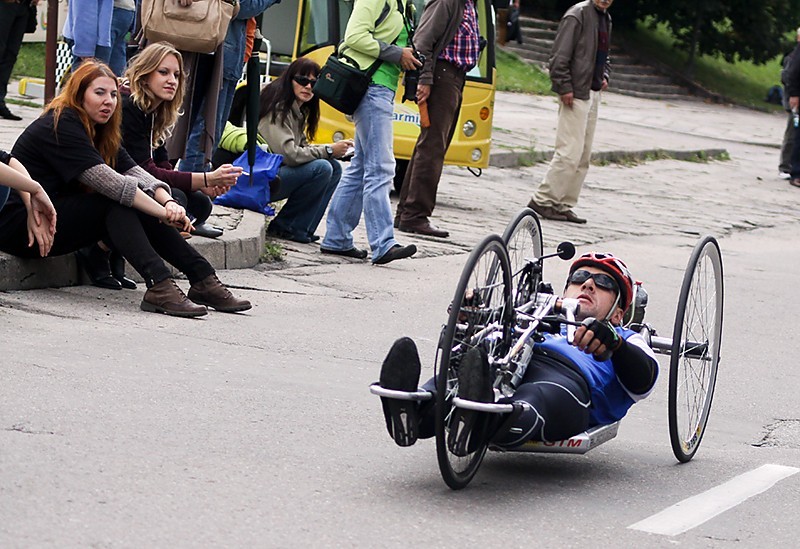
column 567, row 386
column 289, row 115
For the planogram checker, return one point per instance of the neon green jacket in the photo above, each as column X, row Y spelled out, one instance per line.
column 364, row 41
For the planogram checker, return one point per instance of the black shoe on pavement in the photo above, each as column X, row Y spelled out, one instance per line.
column 95, row 261
column 400, row 372
column 468, row 427
column 206, row 230
column 117, row 263
column 353, row 253
column 7, row 114
column 396, row 252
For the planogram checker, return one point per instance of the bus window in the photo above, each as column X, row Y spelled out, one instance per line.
column 316, row 29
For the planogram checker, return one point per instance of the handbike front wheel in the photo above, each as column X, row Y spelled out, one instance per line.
column 523, row 238
column 695, row 352
column 479, row 316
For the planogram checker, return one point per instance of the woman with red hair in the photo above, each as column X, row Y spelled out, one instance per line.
column 73, row 150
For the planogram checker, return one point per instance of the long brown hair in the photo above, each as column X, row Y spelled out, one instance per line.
column 277, row 97
column 140, row 68
column 106, row 137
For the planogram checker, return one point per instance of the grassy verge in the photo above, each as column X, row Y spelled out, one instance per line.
column 742, row 81
column 515, row 75
column 30, row 61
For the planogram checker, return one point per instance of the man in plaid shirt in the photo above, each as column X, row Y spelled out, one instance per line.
column 449, row 38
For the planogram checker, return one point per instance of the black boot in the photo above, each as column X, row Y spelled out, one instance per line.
column 95, row 261
column 118, row 271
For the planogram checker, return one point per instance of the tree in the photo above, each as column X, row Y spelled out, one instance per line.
column 734, row 29
column 731, row 28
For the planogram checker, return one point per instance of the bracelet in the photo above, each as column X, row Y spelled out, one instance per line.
column 205, row 180
column 170, row 200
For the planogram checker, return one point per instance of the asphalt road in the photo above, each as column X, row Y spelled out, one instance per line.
column 120, row 428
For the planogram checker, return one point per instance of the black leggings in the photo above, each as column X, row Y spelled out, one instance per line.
column 197, row 204
column 555, row 406
column 84, row 219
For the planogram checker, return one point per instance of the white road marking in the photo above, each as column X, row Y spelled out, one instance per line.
column 698, row 509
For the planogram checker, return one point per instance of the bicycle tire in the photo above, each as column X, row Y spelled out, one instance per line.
column 486, row 280
column 695, row 352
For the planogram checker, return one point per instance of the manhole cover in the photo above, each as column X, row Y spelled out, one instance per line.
column 784, row 433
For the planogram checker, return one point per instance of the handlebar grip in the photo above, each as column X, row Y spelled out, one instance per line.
column 424, row 120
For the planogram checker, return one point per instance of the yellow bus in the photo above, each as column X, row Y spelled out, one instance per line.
column 312, row 28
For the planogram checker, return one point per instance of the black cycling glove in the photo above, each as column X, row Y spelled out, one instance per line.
column 604, row 332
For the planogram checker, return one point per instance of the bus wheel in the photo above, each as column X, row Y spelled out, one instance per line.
column 399, row 174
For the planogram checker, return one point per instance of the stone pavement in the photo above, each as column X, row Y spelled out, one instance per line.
column 631, row 133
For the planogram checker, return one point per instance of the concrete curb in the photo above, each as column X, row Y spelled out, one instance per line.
column 515, row 159
column 238, row 248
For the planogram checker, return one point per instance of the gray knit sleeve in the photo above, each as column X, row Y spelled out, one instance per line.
column 146, row 181
column 106, row 181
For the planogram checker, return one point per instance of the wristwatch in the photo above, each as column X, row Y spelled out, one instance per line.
column 329, row 150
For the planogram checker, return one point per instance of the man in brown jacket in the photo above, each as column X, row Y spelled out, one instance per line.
column 449, row 38
column 579, row 71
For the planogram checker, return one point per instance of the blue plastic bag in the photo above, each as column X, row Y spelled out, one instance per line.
column 252, row 191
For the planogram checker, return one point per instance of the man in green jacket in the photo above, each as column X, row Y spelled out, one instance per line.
column 376, row 33
column 449, row 38
column 579, row 71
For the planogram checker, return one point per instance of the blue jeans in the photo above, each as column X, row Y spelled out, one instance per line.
column 194, row 160
column 309, row 188
column 366, row 183
column 121, row 23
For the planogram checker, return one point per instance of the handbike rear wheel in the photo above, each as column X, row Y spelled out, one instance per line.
column 695, row 352
column 523, row 238
column 479, row 315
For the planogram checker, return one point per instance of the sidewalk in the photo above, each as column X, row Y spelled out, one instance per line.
column 629, row 129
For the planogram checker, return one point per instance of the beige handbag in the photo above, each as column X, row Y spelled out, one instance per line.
column 199, row 28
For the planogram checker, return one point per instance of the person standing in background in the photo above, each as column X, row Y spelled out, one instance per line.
column 14, row 15
column 579, row 71
column 785, row 166
column 373, row 35
column 121, row 24
column 449, row 38
column 88, row 30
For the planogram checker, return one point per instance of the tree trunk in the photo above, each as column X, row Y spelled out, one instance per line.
column 693, row 45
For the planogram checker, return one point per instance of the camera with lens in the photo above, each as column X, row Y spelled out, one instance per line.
column 411, row 80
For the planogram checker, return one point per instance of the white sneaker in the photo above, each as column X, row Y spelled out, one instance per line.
column 784, row 175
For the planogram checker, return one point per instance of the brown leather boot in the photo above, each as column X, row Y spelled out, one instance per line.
column 166, row 297
column 211, row 292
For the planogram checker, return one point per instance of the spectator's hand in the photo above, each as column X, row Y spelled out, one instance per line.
column 340, row 147
column 43, row 211
column 794, row 103
column 224, row 176
column 423, row 92
column 604, row 85
column 407, row 61
column 567, row 99
column 40, row 232
column 174, row 214
column 215, row 191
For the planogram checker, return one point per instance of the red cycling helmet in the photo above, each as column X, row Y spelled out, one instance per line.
column 614, row 267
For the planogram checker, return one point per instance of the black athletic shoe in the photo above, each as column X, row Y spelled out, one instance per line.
column 400, row 372
column 468, row 427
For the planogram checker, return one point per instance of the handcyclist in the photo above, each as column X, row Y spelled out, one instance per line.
column 567, row 387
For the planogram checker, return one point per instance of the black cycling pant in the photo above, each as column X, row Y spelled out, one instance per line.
column 555, row 403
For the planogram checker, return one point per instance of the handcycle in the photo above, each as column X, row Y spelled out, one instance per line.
column 502, row 304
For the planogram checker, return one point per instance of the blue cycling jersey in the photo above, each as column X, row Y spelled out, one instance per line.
column 610, row 399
